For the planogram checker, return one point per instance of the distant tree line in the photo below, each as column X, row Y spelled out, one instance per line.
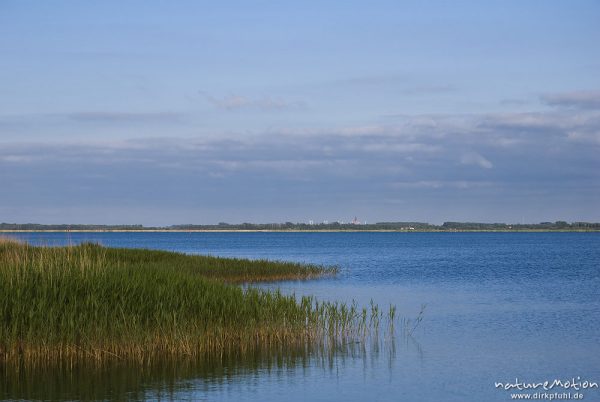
column 309, row 226
column 395, row 226
column 558, row 225
column 37, row 226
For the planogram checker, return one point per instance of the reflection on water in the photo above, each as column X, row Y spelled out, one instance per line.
column 195, row 380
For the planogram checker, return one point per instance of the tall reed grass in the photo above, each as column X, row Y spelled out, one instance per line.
column 93, row 303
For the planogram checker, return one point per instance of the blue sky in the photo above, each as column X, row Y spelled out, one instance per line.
column 160, row 113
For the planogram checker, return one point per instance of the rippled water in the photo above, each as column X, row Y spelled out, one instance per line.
column 499, row 306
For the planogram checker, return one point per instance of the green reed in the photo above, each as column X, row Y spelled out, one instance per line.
column 95, row 303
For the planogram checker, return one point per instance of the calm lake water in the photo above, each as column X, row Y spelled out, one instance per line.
column 499, row 306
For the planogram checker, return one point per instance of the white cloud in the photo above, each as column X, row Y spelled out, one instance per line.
column 473, row 158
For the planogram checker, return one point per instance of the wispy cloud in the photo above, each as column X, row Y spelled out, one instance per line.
column 428, row 89
column 372, row 80
column 590, row 137
column 235, row 102
column 575, row 100
column 15, row 159
column 436, row 184
column 125, row 117
column 42, row 121
column 400, row 83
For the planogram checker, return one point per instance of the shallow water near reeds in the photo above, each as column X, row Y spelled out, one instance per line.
column 499, row 306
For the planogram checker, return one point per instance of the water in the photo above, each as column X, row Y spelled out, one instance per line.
column 499, row 306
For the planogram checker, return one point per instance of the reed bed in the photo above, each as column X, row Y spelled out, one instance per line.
column 92, row 303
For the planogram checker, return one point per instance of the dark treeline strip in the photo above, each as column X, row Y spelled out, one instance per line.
column 334, row 226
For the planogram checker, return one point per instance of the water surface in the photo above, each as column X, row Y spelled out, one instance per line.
column 499, row 306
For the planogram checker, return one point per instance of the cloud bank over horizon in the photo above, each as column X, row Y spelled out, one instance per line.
column 433, row 168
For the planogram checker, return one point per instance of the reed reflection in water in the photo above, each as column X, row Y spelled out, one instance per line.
column 197, row 380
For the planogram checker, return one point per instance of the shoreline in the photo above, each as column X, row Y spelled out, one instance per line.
column 296, row 231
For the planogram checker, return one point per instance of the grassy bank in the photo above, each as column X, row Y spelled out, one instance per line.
column 95, row 303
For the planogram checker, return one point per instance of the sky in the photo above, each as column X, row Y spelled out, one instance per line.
column 161, row 113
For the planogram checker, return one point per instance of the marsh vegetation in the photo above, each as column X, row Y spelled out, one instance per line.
column 93, row 303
